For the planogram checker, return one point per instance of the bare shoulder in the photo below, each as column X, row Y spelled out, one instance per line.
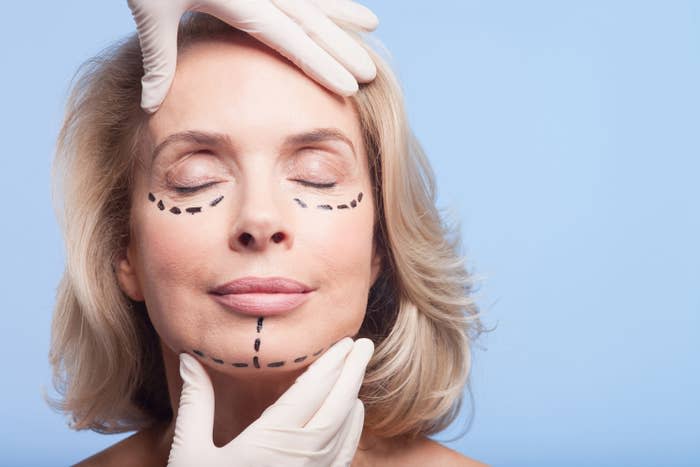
column 139, row 449
column 420, row 452
column 431, row 452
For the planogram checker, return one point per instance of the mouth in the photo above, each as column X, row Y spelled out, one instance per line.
column 262, row 296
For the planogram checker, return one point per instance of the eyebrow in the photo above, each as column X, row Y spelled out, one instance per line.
column 317, row 135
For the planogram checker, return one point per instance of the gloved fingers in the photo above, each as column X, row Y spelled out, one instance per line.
column 298, row 404
column 195, row 417
column 157, row 25
column 319, row 446
column 350, row 436
column 331, row 37
column 343, row 395
column 271, row 26
column 349, row 12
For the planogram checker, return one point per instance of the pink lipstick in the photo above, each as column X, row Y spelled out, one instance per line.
column 262, row 296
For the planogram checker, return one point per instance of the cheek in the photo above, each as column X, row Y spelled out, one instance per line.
column 337, row 249
column 177, row 239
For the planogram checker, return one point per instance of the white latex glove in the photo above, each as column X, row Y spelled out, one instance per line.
column 317, row 422
column 304, row 31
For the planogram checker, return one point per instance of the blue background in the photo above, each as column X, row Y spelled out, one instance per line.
column 565, row 137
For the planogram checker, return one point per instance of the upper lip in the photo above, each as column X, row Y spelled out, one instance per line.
column 261, row 285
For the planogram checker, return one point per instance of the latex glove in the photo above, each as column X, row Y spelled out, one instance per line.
column 316, row 422
column 304, row 31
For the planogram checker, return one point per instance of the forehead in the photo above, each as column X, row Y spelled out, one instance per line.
column 240, row 87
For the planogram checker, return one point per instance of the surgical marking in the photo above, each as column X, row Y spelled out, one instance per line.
column 327, row 207
column 177, row 210
column 256, row 358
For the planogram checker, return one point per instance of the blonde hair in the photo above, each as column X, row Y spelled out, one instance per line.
column 104, row 351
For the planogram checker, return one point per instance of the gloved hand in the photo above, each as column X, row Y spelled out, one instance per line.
column 316, row 422
column 304, row 31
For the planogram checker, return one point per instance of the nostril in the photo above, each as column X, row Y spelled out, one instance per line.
column 246, row 239
column 278, row 237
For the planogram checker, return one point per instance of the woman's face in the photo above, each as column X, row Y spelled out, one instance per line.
column 257, row 171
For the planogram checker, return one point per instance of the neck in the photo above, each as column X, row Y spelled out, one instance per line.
column 238, row 402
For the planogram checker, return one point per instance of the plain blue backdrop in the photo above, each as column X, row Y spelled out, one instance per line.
column 565, row 137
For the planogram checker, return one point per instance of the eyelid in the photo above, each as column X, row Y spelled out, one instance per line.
column 327, row 185
column 193, row 188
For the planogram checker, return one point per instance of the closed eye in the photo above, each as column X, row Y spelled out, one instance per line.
column 192, row 189
column 315, row 185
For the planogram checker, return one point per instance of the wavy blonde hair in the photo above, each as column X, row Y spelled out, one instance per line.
column 107, row 365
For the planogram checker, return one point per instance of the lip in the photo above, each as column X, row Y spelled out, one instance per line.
column 262, row 296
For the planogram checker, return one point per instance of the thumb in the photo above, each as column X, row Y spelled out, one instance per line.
column 195, row 417
column 157, row 24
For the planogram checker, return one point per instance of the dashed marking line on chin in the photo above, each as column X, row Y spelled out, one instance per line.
column 256, row 358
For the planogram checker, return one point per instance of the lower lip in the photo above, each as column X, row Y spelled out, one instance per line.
column 262, row 304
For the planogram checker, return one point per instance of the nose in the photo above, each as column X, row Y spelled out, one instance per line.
column 261, row 224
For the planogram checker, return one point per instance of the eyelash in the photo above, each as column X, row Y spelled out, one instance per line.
column 315, row 185
column 193, row 189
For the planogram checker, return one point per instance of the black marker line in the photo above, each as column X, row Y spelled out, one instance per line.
column 257, row 344
column 359, row 197
column 260, row 323
column 161, row 206
column 194, row 209
column 353, row 203
column 217, row 360
column 342, row 206
column 275, row 364
column 256, row 362
column 216, row 201
column 240, row 365
column 300, row 202
column 175, row 210
column 300, row 359
column 319, row 351
column 151, row 197
column 198, row 352
column 327, row 207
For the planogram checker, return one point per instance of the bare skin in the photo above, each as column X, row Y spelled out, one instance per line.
column 173, row 260
column 151, row 447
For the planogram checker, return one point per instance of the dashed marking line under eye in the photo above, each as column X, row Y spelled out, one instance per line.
column 177, row 210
